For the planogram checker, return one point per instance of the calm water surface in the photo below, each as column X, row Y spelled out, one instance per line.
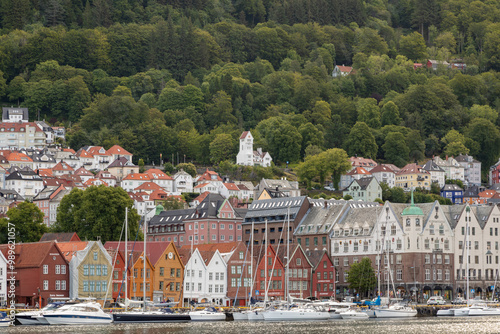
column 431, row 325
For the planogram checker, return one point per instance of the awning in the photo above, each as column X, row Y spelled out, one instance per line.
column 448, row 288
column 427, row 287
column 478, row 289
column 437, row 287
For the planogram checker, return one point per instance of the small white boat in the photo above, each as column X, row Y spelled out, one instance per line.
column 36, row 317
column 207, row 314
column 296, row 314
column 89, row 313
column 396, row 311
column 450, row 312
column 5, row 321
column 461, row 312
column 354, row 314
column 483, row 310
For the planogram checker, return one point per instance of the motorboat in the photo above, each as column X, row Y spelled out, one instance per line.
column 36, row 317
column 303, row 313
column 5, row 321
column 449, row 312
column 153, row 316
column 335, row 308
column 396, row 311
column 89, row 313
column 353, row 313
column 461, row 311
column 483, row 310
column 207, row 314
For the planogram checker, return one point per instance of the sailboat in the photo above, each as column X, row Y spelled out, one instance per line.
column 395, row 310
column 301, row 313
column 145, row 316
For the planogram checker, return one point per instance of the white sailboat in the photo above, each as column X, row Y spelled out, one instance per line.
column 396, row 310
column 354, row 313
column 301, row 313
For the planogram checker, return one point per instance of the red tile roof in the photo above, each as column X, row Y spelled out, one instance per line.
column 117, row 149
column 156, row 174
column 95, row 182
column 44, row 172
column 30, row 255
column 347, row 69
column 358, row 171
column 62, row 166
column 148, row 186
column 69, row 150
column 83, row 172
column 69, row 249
column 137, row 176
column 201, row 185
column 84, row 154
column 202, row 196
column 231, row 186
column 221, row 247
column 18, row 156
column 94, row 150
column 8, row 126
column 487, row 193
column 244, row 134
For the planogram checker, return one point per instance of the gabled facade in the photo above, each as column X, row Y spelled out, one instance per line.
column 247, row 156
column 413, row 176
column 275, row 283
column 438, row 175
column 341, row 71
column 41, row 273
column 323, row 275
column 183, row 182
column 26, row 182
column 300, row 270
column 354, row 174
column 384, row 174
column 454, row 170
column 122, row 167
column 161, row 179
column 453, row 193
column 472, row 170
column 366, row 189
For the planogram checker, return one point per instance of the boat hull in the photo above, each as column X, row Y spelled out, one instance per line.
column 354, row 315
column 207, row 317
column 240, row 316
column 461, row 312
column 127, row 317
column 484, row 312
column 395, row 313
column 28, row 319
column 446, row 313
column 291, row 315
column 73, row 319
column 4, row 322
column 255, row 316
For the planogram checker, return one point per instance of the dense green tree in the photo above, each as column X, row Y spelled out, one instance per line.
column 487, row 136
column 369, row 112
column 396, row 150
column 222, row 148
column 362, row 277
column 25, row 221
column 96, row 212
column 413, row 47
column 361, row 141
column 390, row 114
column 187, row 167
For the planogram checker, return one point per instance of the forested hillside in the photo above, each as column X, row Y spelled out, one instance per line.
column 187, row 77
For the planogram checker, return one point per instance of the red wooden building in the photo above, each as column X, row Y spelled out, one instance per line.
column 42, row 272
column 323, row 275
column 275, row 275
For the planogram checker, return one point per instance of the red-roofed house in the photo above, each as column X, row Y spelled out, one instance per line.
column 366, row 163
column 116, row 151
column 485, row 195
column 62, row 168
column 206, row 187
column 106, row 177
column 84, row 174
column 20, row 160
column 101, row 157
column 95, row 182
column 161, row 179
column 208, row 177
column 41, row 272
column 183, row 182
column 384, row 174
column 44, row 172
column 230, row 190
column 148, row 187
column 341, row 70
column 86, row 159
column 413, row 176
column 132, row 181
column 355, row 174
column 122, row 167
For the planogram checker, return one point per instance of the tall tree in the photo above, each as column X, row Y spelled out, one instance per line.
column 26, row 220
column 361, row 141
column 362, row 277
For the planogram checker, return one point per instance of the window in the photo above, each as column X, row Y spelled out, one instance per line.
column 85, row 270
column 399, row 274
column 45, row 269
column 58, row 270
column 346, row 262
column 399, row 259
column 427, row 258
column 91, row 270
column 427, row 274
column 210, row 276
column 447, row 275
column 95, row 256
column 63, row 285
column 63, row 270
column 417, row 222
column 427, row 244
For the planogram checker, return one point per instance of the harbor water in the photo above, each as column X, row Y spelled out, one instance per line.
column 431, row 325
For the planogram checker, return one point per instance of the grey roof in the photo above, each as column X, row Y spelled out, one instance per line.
column 6, row 111
column 472, row 191
column 453, row 213
column 121, row 162
column 495, row 187
column 365, row 182
column 482, row 214
column 11, row 195
column 315, row 256
column 45, row 193
column 172, row 216
column 24, row 175
column 431, row 166
column 275, row 207
column 271, row 183
column 321, row 218
column 451, row 187
column 466, row 158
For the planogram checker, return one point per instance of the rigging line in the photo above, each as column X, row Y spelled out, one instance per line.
column 275, row 258
column 114, row 262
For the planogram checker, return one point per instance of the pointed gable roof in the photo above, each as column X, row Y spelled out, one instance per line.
column 137, row 177
column 156, row 174
column 382, row 168
column 70, row 248
column 244, row 134
column 117, row 150
column 31, row 255
column 60, row 237
column 83, row 172
column 358, row 171
column 154, row 249
column 149, row 186
column 121, row 162
column 62, row 166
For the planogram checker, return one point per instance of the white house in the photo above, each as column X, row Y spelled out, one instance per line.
column 472, row 169
column 454, row 170
column 247, row 156
column 161, row 179
column 183, row 182
column 341, row 71
column 437, row 173
column 3, row 279
column 384, row 174
column 132, row 181
column 26, row 182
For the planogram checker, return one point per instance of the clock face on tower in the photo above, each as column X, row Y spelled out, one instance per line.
column 170, row 255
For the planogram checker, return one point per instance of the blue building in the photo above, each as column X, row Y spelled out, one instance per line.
column 453, row 192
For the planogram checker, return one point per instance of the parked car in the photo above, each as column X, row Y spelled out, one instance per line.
column 458, row 301
column 436, row 300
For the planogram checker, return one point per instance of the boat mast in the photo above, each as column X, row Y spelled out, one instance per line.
column 144, row 278
column 126, row 255
column 287, row 258
column 251, row 267
column 265, row 263
column 467, row 214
